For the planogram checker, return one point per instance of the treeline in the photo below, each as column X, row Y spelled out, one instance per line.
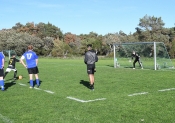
column 49, row 40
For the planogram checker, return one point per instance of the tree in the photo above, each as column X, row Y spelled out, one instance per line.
column 151, row 24
column 17, row 26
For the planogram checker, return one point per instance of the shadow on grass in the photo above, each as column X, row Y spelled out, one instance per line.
column 9, row 84
column 128, row 67
column 110, row 65
column 85, row 83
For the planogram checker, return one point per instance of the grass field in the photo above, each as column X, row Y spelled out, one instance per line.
column 121, row 95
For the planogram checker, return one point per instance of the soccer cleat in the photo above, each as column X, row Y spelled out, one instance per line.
column 37, row 86
column 91, row 87
column 133, row 68
column 30, row 87
column 142, row 68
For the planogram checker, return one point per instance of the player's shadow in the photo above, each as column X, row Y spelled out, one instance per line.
column 110, row 65
column 128, row 67
column 9, row 84
column 34, row 82
column 85, row 83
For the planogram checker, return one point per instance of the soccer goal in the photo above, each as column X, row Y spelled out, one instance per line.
column 8, row 54
column 153, row 55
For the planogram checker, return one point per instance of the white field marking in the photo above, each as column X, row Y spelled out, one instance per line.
column 37, row 88
column 22, row 84
column 49, row 91
column 83, row 101
column 135, row 94
column 5, row 119
column 169, row 89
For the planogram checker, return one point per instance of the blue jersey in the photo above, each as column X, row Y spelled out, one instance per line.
column 30, row 58
column 1, row 57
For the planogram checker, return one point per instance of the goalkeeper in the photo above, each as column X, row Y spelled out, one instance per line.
column 137, row 59
column 11, row 66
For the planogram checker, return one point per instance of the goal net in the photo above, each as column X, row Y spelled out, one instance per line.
column 8, row 54
column 153, row 55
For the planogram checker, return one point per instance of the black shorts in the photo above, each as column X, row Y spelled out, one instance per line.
column 90, row 68
column 33, row 70
column 1, row 72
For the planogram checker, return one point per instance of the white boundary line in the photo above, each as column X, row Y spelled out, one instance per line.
column 84, row 101
column 48, row 91
column 22, row 84
column 169, row 89
column 5, row 119
column 135, row 94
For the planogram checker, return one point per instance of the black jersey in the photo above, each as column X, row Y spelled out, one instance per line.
column 90, row 57
column 136, row 56
column 12, row 62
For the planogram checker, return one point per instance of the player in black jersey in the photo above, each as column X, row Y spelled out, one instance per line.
column 137, row 59
column 89, row 60
column 11, row 66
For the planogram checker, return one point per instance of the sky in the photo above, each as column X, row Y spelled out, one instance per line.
column 85, row 16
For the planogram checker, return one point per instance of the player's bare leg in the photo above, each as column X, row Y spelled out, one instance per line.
column 140, row 63
column 91, row 79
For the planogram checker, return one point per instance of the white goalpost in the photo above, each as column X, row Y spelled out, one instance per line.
column 8, row 54
column 154, row 55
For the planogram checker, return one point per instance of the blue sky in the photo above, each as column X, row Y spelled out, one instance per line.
column 84, row 16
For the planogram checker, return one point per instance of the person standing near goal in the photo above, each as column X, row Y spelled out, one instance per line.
column 11, row 66
column 2, row 71
column 89, row 60
column 31, row 65
column 137, row 59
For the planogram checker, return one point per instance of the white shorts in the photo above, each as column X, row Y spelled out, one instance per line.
column 9, row 69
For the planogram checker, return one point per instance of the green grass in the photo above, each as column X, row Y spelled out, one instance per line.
column 19, row 104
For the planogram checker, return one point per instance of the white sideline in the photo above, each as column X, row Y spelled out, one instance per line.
column 169, row 89
column 22, row 84
column 49, row 91
column 5, row 119
column 38, row 88
column 135, row 94
column 84, row 101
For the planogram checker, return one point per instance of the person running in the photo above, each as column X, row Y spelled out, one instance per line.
column 137, row 59
column 11, row 66
column 31, row 65
column 2, row 71
column 89, row 60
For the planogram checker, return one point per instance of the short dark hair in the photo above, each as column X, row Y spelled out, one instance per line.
column 89, row 45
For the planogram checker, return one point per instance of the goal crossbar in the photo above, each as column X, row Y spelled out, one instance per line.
column 132, row 43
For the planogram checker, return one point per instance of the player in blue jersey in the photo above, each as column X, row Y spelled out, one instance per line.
column 31, row 64
column 2, row 71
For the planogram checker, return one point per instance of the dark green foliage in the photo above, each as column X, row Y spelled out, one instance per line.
column 43, row 36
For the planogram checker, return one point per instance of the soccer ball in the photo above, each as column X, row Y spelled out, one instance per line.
column 19, row 77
